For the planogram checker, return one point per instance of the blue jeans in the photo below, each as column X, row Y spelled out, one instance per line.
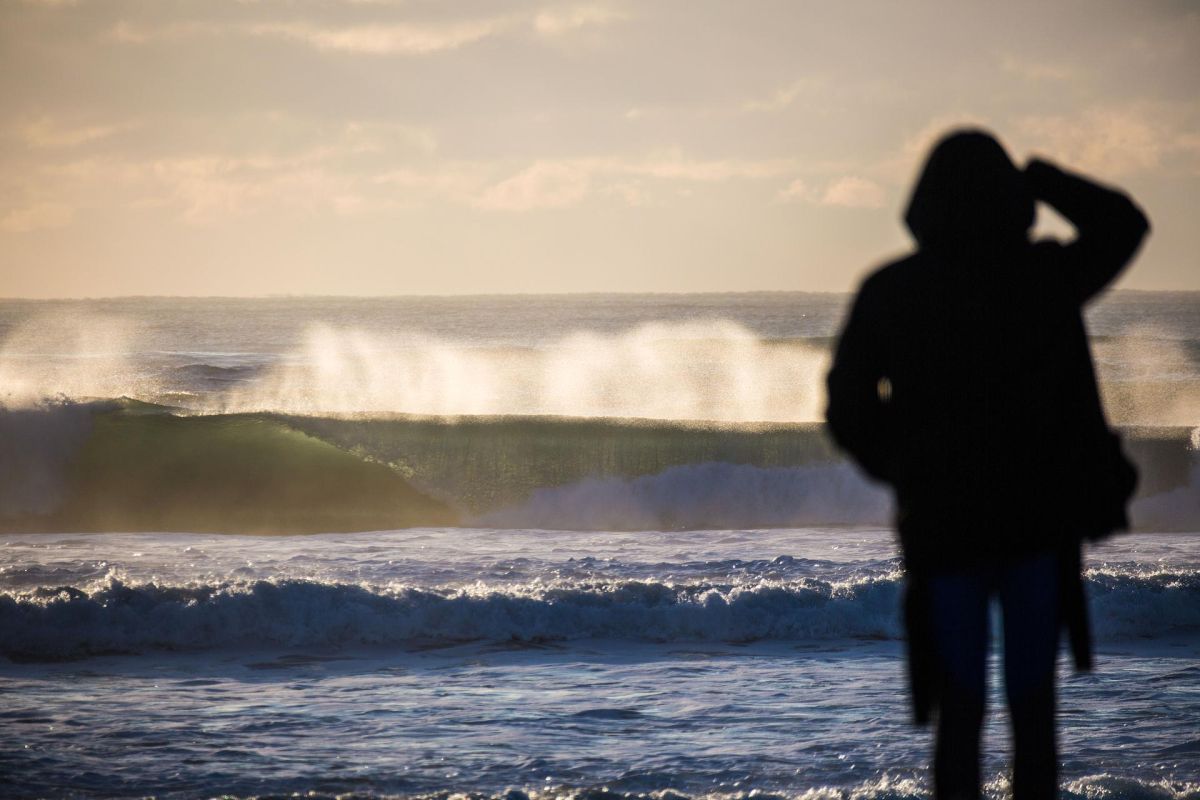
column 1028, row 594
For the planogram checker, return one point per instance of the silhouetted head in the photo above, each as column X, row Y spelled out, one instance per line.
column 969, row 193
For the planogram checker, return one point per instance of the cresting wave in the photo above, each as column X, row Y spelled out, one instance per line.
column 129, row 466
column 115, row 617
column 708, row 495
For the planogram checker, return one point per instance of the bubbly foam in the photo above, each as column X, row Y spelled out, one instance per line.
column 115, row 616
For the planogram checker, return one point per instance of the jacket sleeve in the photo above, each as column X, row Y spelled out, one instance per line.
column 1110, row 226
column 857, row 413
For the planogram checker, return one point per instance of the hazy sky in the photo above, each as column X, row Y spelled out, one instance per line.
column 206, row 147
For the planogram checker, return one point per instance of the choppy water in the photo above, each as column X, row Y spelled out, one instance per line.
column 432, row 661
column 640, row 652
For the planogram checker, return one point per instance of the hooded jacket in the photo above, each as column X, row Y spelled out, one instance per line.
column 963, row 378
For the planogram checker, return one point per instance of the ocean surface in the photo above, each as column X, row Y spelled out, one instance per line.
column 591, row 546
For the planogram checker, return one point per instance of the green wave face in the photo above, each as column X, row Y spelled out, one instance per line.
column 156, row 471
column 480, row 464
column 138, row 467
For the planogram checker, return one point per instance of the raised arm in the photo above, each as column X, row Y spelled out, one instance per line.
column 1110, row 226
column 856, row 414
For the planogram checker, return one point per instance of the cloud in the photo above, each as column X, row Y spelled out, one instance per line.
column 1104, row 141
column 396, row 39
column 1189, row 146
column 672, row 164
column 852, row 191
column 782, row 98
column 848, row 191
column 559, row 21
column 1037, row 71
column 453, row 180
column 797, row 190
column 413, row 39
column 35, row 217
column 46, row 132
column 545, row 184
column 631, row 192
column 127, row 32
column 558, row 183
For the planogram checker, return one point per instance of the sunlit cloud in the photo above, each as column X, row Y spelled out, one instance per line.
column 35, row 217
column 49, row 133
column 558, row 21
column 129, row 32
column 255, row 118
column 797, row 190
column 1037, row 71
column 782, row 98
column 543, row 185
column 673, row 164
column 413, row 39
column 562, row 183
column 854, row 192
column 1107, row 141
column 848, row 191
column 379, row 39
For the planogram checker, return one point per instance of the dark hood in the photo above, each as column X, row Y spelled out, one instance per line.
column 969, row 194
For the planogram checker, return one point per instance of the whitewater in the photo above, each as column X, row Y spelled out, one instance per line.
column 518, row 547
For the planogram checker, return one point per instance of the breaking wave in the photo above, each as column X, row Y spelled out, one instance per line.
column 125, row 465
column 117, row 617
column 711, row 495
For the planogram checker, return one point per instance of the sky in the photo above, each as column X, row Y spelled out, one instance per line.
column 367, row 147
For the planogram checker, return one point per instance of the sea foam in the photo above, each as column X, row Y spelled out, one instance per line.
column 114, row 616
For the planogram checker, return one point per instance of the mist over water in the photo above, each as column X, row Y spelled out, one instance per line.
column 724, row 362
column 714, row 370
column 725, row 358
column 65, row 355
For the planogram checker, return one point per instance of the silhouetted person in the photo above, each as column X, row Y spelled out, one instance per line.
column 964, row 380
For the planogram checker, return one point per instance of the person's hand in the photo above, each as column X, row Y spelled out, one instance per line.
column 1036, row 171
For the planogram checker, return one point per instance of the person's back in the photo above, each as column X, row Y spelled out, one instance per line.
column 964, row 380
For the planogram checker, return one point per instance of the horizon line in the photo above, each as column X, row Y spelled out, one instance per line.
column 478, row 295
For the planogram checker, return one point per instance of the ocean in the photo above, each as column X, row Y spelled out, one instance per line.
column 579, row 546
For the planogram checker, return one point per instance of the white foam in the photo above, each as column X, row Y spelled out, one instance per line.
column 116, row 616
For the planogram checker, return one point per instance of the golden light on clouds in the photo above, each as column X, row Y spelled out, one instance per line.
column 391, row 148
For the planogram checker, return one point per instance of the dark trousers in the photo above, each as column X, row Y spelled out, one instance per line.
column 1028, row 594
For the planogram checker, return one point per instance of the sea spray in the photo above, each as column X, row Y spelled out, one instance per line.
column 714, row 370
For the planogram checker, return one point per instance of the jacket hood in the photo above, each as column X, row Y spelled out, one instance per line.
column 969, row 193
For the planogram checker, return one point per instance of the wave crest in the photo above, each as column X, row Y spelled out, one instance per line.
column 112, row 616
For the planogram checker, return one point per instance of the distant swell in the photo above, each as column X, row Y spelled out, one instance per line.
column 114, row 617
